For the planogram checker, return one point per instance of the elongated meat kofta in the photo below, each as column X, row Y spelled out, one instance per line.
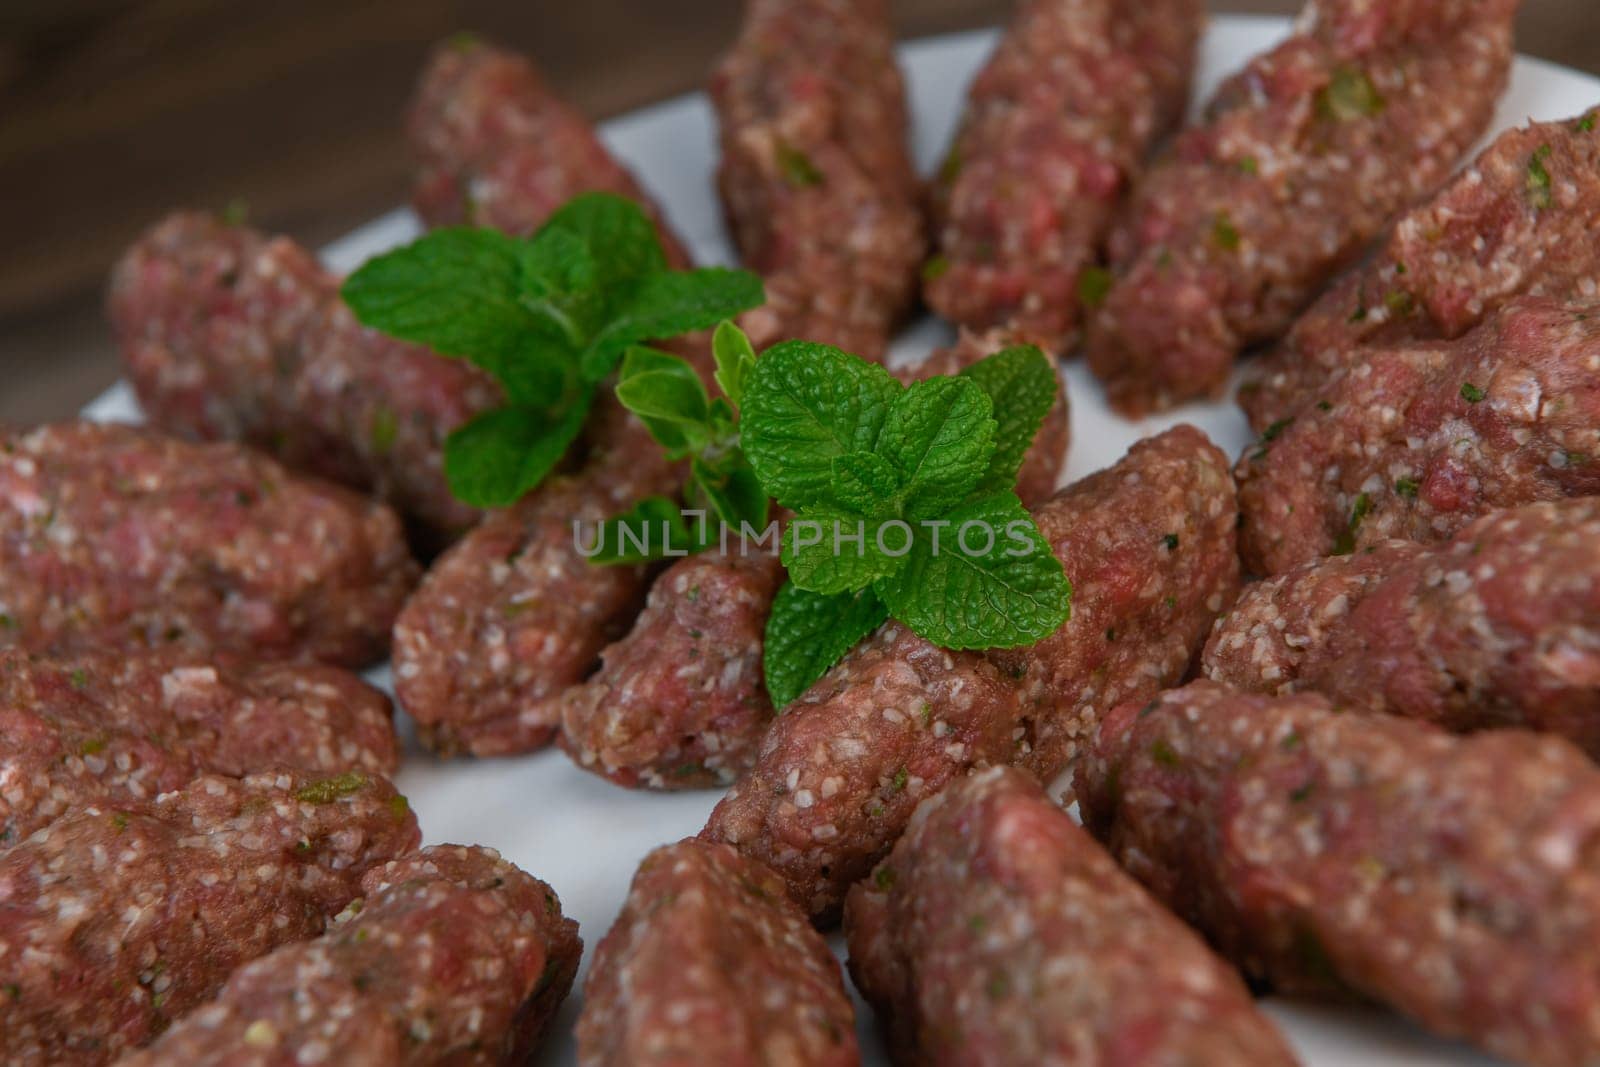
column 119, row 918
column 1499, row 626
column 1518, row 222
column 1057, row 123
column 816, row 177
column 1300, row 160
column 513, row 614
column 710, row 962
column 497, row 148
column 1148, row 545
column 450, row 956
column 679, row 703
column 1450, row 877
column 108, row 727
column 1418, row 440
column 112, row 536
column 228, row 334
column 998, row 932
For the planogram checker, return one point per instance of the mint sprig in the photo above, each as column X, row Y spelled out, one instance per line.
column 902, row 496
column 549, row 317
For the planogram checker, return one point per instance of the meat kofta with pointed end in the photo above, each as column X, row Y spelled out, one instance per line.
column 113, row 536
column 450, row 956
column 998, row 932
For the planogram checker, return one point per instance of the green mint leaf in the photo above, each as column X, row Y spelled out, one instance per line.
column 459, row 291
column 669, row 304
column 730, row 490
column 1013, row 592
column 558, row 283
column 618, row 234
column 502, row 454
column 1022, row 386
column 865, row 482
column 807, row 633
column 652, row 529
column 669, row 398
column 735, row 357
column 804, row 405
column 940, row 436
column 832, row 551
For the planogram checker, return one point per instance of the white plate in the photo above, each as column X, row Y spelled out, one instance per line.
column 586, row 836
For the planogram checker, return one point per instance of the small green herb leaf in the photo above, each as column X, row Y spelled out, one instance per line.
column 807, row 633
column 459, row 292
column 865, row 482
column 730, row 490
column 495, row 459
column 650, row 530
column 735, row 357
column 940, row 436
column 668, row 304
column 1022, row 386
column 1225, row 233
column 832, row 551
column 804, row 405
column 1002, row 593
column 668, row 397
column 1471, row 393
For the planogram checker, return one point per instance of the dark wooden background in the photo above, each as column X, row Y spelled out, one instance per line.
column 113, row 112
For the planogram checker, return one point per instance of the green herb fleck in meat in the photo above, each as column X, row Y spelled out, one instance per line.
column 1171, row 541
column 79, row 678
column 1348, row 96
column 327, row 790
column 1471, row 393
column 1539, row 185
column 1163, row 753
column 399, row 807
column 1094, row 284
column 901, row 777
column 1345, row 543
column 92, row 746
column 883, row 878
column 384, row 428
column 935, row 268
column 1587, row 123
column 1399, row 302
column 1224, row 232
column 1406, row 487
column 796, row 167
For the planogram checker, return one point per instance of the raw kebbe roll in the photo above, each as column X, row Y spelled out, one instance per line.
column 1498, row 626
column 228, row 334
column 1452, row 878
column 450, row 956
column 1300, row 160
column 997, row 932
column 1419, row 439
column 1057, row 123
column 1518, row 222
column 710, row 962
column 119, row 918
column 112, row 536
column 498, row 148
column 816, row 178
column 112, row 727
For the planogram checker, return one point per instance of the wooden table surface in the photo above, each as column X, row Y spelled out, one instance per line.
column 113, row 112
